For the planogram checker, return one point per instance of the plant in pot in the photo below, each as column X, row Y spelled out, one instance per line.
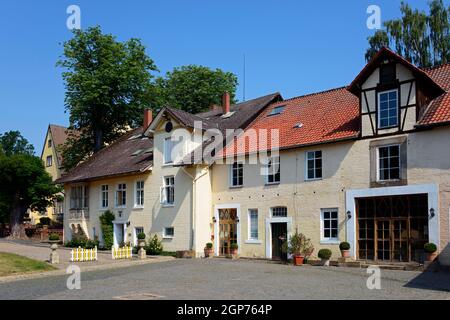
column 53, row 238
column 234, row 249
column 209, row 252
column 299, row 247
column 141, row 239
column 430, row 251
column 325, row 255
column 345, row 249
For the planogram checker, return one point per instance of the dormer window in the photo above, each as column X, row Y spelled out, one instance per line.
column 276, row 110
column 387, row 109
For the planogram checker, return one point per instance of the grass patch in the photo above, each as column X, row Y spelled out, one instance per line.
column 11, row 264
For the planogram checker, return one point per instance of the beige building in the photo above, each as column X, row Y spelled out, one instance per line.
column 367, row 164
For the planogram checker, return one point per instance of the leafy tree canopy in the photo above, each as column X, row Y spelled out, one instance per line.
column 423, row 39
column 108, row 84
column 13, row 142
column 194, row 88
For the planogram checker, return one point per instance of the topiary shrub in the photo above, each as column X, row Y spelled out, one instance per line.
column 45, row 221
column 106, row 224
column 344, row 246
column 154, row 246
column 141, row 236
column 209, row 245
column 234, row 246
column 430, row 248
column 324, row 254
column 53, row 237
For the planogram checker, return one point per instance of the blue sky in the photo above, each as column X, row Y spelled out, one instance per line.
column 291, row 46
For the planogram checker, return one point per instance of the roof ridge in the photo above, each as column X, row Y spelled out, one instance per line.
column 313, row 94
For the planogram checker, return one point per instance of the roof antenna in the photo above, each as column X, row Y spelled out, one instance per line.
column 243, row 93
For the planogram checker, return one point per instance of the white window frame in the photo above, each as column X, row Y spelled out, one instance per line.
column 164, row 196
column 102, row 193
column 84, row 200
column 136, row 196
column 307, row 178
column 47, row 162
column 251, row 239
column 167, row 157
column 379, row 109
column 399, row 162
column 231, row 172
column 270, row 162
column 166, row 236
column 116, row 198
column 328, row 240
column 276, row 207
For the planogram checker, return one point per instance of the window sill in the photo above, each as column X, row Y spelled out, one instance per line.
column 167, row 238
column 268, row 184
column 250, row 241
column 138, row 208
column 336, row 242
column 315, row 179
column 236, row 187
column 103, row 209
column 120, row 208
column 167, row 205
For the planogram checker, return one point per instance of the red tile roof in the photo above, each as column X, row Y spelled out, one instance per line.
column 438, row 111
column 310, row 119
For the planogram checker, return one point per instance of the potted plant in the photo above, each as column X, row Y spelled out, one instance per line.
column 141, row 239
column 430, row 251
column 53, row 238
column 233, row 249
column 325, row 255
column 209, row 252
column 345, row 249
column 299, row 247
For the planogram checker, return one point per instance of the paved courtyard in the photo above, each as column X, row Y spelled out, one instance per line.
column 227, row 279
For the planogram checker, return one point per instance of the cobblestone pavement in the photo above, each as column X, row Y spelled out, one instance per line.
column 227, row 279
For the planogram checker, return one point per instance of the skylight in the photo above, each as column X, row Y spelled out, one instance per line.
column 276, row 110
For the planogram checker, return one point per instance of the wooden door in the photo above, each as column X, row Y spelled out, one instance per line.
column 227, row 230
column 392, row 240
column 279, row 236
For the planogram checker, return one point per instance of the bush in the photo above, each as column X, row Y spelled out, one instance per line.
column 53, row 237
column 344, row 246
column 298, row 244
column 234, row 246
column 83, row 243
column 45, row 221
column 430, row 248
column 324, row 254
column 141, row 236
column 209, row 245
column 106, row 224
column 154, row 246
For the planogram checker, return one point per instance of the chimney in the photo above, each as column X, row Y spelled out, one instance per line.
column 148, row 118
column 226, row 102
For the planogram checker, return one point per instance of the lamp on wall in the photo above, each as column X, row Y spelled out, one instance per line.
column 431, row 213
column 214, row 220
column 349, row 214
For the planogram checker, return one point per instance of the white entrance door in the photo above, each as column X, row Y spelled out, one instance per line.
column 119, row 234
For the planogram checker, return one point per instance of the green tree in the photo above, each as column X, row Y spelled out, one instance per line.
column 108, row 84
column 13, row 142
column 194, row 88
column 24, row 184
column 423, row 39
column 106, row 224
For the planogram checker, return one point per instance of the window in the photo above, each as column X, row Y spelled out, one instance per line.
column 168, row 147
column 276, row 110
column 329, row 225
column 279, row 212
column 387, row 74
column 49, row 161
column 168, row 232
column 168, row 191
column 104, row 196
column 387, row 109
column 49, row 143
column 253, row 224
column 79, row 197
column 121, row 195
column 273, row 170
column 389, row 162
column 139, row 196
column 314, row 165
column 237, row 174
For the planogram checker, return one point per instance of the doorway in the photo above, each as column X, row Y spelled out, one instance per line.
column 227, row 230
column 279, row 236
column 119, row 234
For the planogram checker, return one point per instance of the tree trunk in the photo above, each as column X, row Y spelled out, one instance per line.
column 16, row 218
column 98, row 139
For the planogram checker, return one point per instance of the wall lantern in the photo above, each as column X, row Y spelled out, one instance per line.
column 214, row 220
column 237, row 220
column 349, row 214
column 431, row 213
column 128, row 223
